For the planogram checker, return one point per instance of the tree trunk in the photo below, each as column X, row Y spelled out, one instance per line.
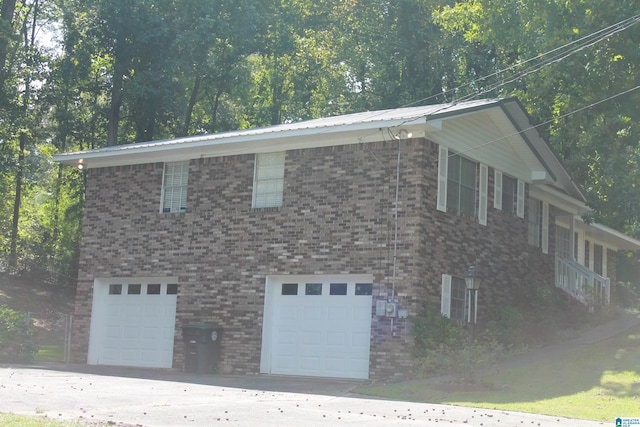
column 6, row 19
column 192, row 102
column 13, row 256
column 114, row 109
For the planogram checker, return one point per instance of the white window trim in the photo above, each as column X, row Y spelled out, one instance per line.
column 445, row 299
column 443, row 176
column 181, row 189
column 273, row 199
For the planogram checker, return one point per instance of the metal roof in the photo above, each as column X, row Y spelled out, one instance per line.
column 357, row 121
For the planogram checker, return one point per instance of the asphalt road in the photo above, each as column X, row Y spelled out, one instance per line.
column 152, row 398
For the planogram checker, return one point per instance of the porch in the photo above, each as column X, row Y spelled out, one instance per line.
column 583, row 285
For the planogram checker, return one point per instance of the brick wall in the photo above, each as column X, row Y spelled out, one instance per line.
column 337, row 218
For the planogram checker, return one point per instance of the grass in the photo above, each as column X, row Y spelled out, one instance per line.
column 12, row 420
column 50, row 353
column 597, row 382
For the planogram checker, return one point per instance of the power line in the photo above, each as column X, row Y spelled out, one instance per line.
column 563, row 116
column 560, row 54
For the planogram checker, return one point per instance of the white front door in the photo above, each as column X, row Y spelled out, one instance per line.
column 133, row 322
column 317, row 326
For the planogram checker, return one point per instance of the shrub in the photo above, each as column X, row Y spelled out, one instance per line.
column 443, row 346
column 17, row 336
column 508, row 325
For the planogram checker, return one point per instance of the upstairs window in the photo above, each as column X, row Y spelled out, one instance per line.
column 268, row 181
column 534, row 219
column 538, row 220
column 461, row 185
column 174, row 187
column 508, row 194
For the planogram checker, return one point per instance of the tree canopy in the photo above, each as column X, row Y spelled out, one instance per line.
column 82, row 74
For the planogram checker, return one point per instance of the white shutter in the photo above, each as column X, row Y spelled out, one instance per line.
column 497, row 189
column 443, row 158
column 484, row 185
column 604, row 261
column 445, row 299
column 520, row 208
column 545, row 228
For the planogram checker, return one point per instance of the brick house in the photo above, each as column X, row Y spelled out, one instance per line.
column 311, row 244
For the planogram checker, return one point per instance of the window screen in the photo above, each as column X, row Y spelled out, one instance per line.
column 174, row 187
column 268, row 185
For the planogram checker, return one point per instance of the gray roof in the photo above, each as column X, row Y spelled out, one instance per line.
column 369, row 119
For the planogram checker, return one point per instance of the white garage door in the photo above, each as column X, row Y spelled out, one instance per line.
column 133, row 322
column 317, row 326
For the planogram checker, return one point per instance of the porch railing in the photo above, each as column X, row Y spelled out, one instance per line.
column 584, row 285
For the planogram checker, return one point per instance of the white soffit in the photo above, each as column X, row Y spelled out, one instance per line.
column 488, row 137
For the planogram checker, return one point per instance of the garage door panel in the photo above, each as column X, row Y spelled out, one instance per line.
column 132, row 329
column 317, row 334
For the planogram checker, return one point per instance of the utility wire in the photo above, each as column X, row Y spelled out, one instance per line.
column 583, row 42
column 561, row 117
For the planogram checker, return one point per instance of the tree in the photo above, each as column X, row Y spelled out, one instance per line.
column 599, row 144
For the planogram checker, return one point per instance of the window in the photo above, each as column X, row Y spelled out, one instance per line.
column 313, row 289
column 538, row 219
column 289, row 289
column 115, row 289
column 153, row 289
column 364, row 288
column 509, row 194
column 338, row 289
column 535, row 223
column 134, row 289
column 454, row 298
column 174, row 187
column 563, row 242
column 268, row 182
column 172, row 289
column 461, row 185
column 597, row 259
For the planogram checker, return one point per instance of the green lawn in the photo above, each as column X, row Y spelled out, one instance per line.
column 50, row 353
column 598, row 382
column 11, row 420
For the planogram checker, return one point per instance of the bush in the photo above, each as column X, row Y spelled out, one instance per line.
column 17, row 337
column 508, row 325
column 443, row 346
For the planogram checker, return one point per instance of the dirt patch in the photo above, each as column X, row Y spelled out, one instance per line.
column 47, row 305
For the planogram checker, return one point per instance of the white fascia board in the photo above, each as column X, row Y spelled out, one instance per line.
column 237, row 143
column 608, row 236
column 558, row 199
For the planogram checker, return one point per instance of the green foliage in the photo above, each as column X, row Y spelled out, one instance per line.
column 17, row 336
column 122, row 71
column 442, row 346
column 627, row 294
column 508, row 324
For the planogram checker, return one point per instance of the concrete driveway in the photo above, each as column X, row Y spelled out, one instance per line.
column 123, row 396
